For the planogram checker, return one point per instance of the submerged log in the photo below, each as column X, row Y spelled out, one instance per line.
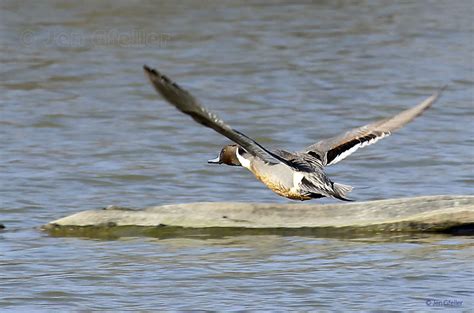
column 419, row 214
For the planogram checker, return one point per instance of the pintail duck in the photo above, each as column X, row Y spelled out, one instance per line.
column 294, row 175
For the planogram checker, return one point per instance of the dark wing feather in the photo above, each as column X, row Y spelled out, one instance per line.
column 332, row 150
column 300, row 161
column 187, row 104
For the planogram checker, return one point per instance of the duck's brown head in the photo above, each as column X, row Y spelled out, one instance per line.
column 227, row 156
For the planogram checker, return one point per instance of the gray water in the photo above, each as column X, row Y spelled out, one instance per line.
column 81, row 128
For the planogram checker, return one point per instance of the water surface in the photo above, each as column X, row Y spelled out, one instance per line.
column 81, row 128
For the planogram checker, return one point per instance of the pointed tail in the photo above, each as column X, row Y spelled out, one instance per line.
column 341, row 191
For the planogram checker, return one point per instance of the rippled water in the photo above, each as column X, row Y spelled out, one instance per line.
column 81, row 128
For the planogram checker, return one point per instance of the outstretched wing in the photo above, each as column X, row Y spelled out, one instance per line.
column 332, row 150
column 187, row 104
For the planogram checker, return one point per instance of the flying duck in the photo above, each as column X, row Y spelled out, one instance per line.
column 294, row 175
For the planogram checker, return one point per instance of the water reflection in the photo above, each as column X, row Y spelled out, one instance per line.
column 167, row 232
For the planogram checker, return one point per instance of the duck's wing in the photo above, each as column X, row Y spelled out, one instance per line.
column 332, row 150
column 187, row 104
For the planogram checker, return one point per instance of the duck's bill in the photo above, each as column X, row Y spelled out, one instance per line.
column 215, row 161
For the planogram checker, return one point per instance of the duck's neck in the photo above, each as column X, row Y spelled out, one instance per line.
column 242, row 158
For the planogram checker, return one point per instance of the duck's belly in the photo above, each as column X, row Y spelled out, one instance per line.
column 275, row 186
column 282, row 184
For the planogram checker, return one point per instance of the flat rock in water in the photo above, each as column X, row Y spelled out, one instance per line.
column 428, row 214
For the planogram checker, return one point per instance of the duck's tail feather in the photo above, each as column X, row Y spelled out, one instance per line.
column 341, row 191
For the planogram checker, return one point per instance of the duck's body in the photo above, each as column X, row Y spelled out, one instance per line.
column 284, row 180
column 294, row 175
column 279, row 178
